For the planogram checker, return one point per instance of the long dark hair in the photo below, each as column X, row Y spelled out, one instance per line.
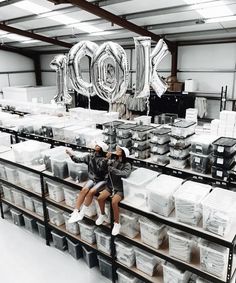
column 123, row 157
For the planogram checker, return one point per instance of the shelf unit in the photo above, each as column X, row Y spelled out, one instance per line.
column 228, row 242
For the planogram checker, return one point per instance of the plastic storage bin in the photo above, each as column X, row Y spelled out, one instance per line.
column 18, row 198
column 140, row 145
column 47, row 154
column 141, row 154
column 87, row 232
column 183, row 128
column 70, row 196
column 141, row 133
column 152, row 233
column 218, row 211
column 55, row 215
column 129, row 224
column 134, row 186
column 77, row 171
column 91, row 210
column 105, row 267
column 41, row 229
column 188, row 198
column 125, row 277
column 160, row 135
column 219, row 173
column 109, row 138
column 90, row 257
column 11, row 174
column 226, row 163
column 109, row 128
column 126, row 142
column 59, row 166
column 181, row 142
column 17, row 217
column 161, row 191
column 180, row 245
column 179, row 153
column 146, row 262
column 59, row 240
column 7, row 193
column 202, row 144
column 2, row 172
column 35, row 183
column 165, row 118
column 72, row 228
column 199, row 163
column 159, row 148
column 24, row 179
column 55, row 191
column 125, row 130
column 28, row 201
column 172, row 274
column 74, row 249
column 180, row 163
column 30, row 223
column 213, row 258
column 224, row 146
column 161, row 159
column 103, row 240
column 38, row 206
column 125, row 253
column 143, row 120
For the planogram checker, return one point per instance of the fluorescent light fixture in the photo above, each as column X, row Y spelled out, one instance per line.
column 87, row 28
column 220, row 19
column 30, row 41
column 31, row 7
column 16, row 37
column 63, row 19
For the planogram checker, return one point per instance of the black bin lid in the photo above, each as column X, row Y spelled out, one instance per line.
column 142, row 128
column 113, row 124
column 126, row 126
column 183, row 124
column 225, row 142
column 161, row 131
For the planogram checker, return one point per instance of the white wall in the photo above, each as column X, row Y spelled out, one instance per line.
column 16, row 70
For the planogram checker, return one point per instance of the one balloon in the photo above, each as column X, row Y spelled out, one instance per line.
column 59, row 64
column 76, row 53
column 143, row 66
column 110, row 74
column 157, row 55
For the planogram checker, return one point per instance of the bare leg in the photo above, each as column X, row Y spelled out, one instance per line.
column 89, row 197
column 81, row 197
column 115, row 206
column 102, row 200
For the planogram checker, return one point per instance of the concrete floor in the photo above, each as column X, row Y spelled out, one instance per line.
column 25, row 258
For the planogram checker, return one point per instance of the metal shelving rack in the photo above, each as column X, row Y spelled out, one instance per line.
column 229, row 242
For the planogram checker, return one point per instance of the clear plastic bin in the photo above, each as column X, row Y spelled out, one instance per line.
column 55, row 215
column 70, row 196
column 180, row 163
column 224, row 162
column 55, row 191
column 141, row 154
column 5, row 139
column 18, row 198
column 183, row 128
column 105, row 267
column 126, row 142
column 38, row 207
column 77, row 171
column 72, row 228
column 2, row 172
column 159, row 148
column 7, row 193
column 11, row 174
column 140, row 145
column 91, row 210
column 125, row 253
column 181, row 142
column 134, row 186
column 188, row 198
column 74, row 249
column 202, row 144
column 47, row 154
column 143, row 120
column 30, row 223
column 59, row 240
column 103, row 240
column 152, row 233
column 213, row 258
column 109, row 138
column 201, row 280
column 180, row 245
column 146, row 262
column 219, row 173
column 110, row 127
column 35, row 183
column 218, row 211
column 129, row 224
column 161, row 159
column 199, row 163
column 17, row 217
column 24, row 179
column 59, row 166
column 179, row 153
column 87, row 232
column 125, row 277
column 29, row 204
column 160, row 135
column 224, row 146
column 165, row 118
column 125, row 130
column 41, row 229
column 141, row 133
column 90, row 257
column 171, row 274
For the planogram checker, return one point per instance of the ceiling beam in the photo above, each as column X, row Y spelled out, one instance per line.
column 102, row 13
column 21, row 51
column 34, row 36
column 8, row 2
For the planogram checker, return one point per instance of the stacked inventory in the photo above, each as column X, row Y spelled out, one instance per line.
column 141, row 142
column 124, row 134
column 109, row 134
column 160, row 145
column 224, row 150
column 181, row 133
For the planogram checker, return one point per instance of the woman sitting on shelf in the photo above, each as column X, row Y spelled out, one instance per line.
column 95, row 184
column 117, row 168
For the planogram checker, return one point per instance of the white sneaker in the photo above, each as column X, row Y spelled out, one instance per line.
column 100, row 219
column 74, row 216
column 80, row 216
column 116, row 229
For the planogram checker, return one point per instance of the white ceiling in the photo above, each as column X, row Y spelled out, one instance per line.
column 173, row 19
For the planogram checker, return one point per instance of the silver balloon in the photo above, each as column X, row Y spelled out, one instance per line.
column 110, row 74
column 159, row 52
column 59, row 64
column 143, row 66
column 76, row 53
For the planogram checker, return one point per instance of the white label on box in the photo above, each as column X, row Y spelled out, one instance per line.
column 198, row 147
column 136, row 154
column 154, row 149
column 220, row 161
column 197, row 159
column 154, row 139
column 135, row 144
column 219, row 173
column 106, row 138
column 106, row 130
column 120, row 133
column 220, row 149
